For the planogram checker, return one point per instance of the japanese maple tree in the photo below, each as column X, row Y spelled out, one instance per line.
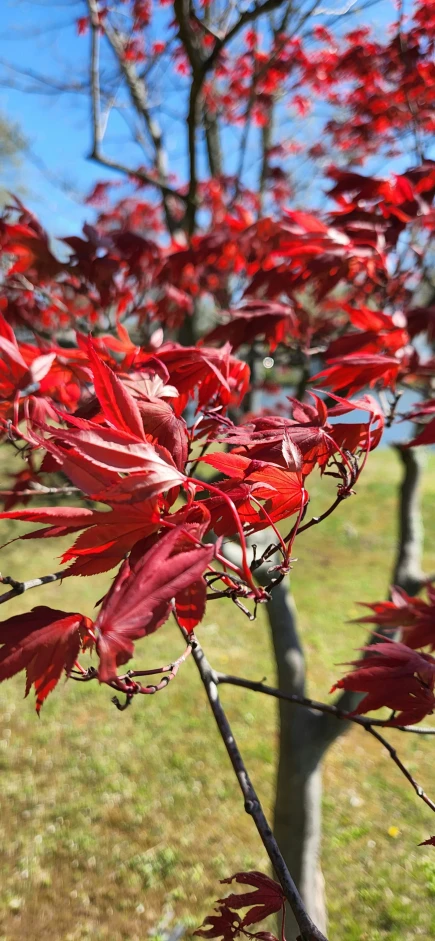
column 132, row 361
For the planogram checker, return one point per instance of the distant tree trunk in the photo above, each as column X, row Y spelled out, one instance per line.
column 304, row 735
column 408, row 572
column 298, row 808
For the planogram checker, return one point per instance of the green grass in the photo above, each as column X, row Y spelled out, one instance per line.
column 114, row 825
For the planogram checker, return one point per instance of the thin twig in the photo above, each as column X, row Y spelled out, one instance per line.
column 127, row 685
column 97, row 124
column 317, row 519
column 309, row 931
column 40, row 491
column 18, row 588
column 326, row 708
column 397, row 761
column 363, row 721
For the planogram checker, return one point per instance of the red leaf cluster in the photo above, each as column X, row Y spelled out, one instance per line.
column 414, row 617
column 393, row 675
column 141, row 597
column 45, row 643
column 266, row 898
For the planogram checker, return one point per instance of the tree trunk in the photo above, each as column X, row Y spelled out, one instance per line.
column 298, row 813
column 298, row 797
column 304, row 735
column 408, row 572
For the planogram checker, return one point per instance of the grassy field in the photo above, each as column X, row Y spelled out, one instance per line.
column 116, row 825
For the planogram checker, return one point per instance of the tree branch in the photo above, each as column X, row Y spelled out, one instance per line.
column 132, row 172
column 268, row 129
column 213, row 143
column 248, row 16
column 322, row 707
column 200, row 68
column 41, row 491
column 18, row 588
column 158, row 180
column 138, row 96
column 309, row 932
column 397, row 761
column 366, row 723
column 211, row 124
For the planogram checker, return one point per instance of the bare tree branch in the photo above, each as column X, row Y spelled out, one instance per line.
column 313, row 704
column 41, row 491
column 309, row 931
column 211, row 123
column 200, row 68
column 139, row 98
column 97, row 124
column 267, row 130
column 18, row 588
column 397, row 761
column 366, row 723
column 51, row 84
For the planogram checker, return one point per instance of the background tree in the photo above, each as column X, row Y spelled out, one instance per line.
column 13, row 147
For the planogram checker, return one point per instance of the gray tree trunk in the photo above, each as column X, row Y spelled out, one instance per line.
column 298, row 797
column 408, row 573
column 305, row 735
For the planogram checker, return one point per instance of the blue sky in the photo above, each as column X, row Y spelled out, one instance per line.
column 39, row 35
column 57, row 126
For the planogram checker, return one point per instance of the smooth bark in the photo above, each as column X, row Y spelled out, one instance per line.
column 298, row 796
column 408, row 572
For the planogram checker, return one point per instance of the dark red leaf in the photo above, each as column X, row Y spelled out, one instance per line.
column 140, row 599
column 265, row 899
column 45, row 643
column 393, row 675
column 119, row 407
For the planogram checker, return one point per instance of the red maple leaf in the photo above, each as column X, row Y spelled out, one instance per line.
column 263, row 437
column 114, row 451
column 125, row 406
column 414, row 616
column 223, row 924
column 140, row 599
column 265, row 899
column 377, row 333
column 395, row 676
column 358, row 370
column 280, row 488
column 45, row 643
column 119, row 407
column 427, row 436
column 215, row 375
column 270, row 319
column 107, row 536
column 190, row 605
